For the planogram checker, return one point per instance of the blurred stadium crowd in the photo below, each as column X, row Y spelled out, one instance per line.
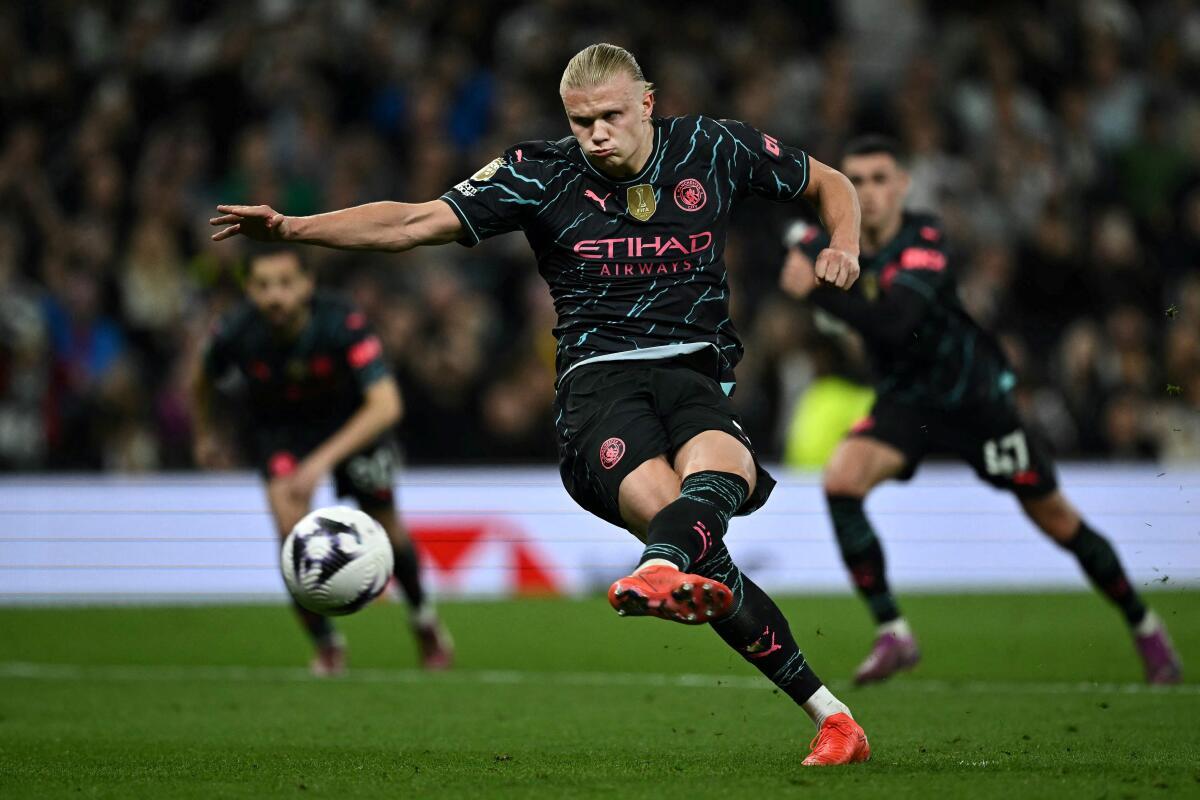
column 1060, row 140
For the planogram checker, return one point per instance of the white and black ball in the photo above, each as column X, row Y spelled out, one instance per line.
column 336, row 560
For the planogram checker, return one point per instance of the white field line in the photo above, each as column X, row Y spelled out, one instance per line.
column 235, row 674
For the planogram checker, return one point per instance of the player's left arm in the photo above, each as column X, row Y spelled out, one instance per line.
column 837, row 203
column 783, row 173
column 381, row 409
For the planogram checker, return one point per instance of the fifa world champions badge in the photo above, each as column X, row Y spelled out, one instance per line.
column 641, row 202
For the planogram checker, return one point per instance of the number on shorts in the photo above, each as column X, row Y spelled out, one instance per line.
column 372, row 471
column 1006, row 455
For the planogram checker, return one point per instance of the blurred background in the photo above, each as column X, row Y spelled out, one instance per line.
column 1059, row 140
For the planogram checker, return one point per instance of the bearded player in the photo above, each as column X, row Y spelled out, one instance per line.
column 942, row 385
column 322, row 400
column 627, row 219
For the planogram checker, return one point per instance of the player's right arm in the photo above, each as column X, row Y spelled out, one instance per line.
column 213, row 364
column 387, row 226
column 501, row 197
column 206, row 449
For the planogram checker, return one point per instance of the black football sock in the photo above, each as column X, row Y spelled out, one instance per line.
column 688, row 528
column 320, row 627
column 757, row 629
column 407, row 570
column 863, row 555
column 1103, row 567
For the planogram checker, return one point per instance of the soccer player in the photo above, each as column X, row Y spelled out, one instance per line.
column 322, row 400
column 942, row 385
column 627, row 218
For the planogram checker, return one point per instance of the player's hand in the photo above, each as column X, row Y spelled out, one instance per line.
column 798, row 278
column 836, row 268
column 261, row 223
column 301, row 484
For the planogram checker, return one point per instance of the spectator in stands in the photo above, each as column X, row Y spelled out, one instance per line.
column 1062, row 156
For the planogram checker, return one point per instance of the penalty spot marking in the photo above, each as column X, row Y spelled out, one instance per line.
column 236, row 674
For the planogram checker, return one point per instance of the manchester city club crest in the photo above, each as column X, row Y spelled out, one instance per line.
column 640, row 201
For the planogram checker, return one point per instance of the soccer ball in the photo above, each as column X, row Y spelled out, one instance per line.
column 336, row 560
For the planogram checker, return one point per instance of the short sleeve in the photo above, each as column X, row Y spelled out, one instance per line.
column 363, row 350
column 499, row 198
column 773, row 169
column 922, row 265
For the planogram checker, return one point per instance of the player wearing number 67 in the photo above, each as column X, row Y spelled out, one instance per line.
column 943, row 385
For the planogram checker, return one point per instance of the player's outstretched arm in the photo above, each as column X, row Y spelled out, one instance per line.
column 837, row 203
column 388, row 226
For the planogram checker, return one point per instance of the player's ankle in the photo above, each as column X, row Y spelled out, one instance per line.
column 897, row 627
column 656, row 562
column 1150, row 623
column 822, row 705
column 424, row 615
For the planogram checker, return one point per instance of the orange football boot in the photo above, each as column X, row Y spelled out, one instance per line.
column 666, row 592
column 840, row 741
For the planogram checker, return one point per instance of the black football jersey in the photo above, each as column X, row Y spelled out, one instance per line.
column 314, row 382
column 946, row 361
column 636, row 267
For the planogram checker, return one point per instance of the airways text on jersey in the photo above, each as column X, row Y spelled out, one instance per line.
column 638, row 263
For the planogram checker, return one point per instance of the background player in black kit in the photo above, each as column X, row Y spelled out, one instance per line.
column 322, row 400
column 627, row 219
column 943, row 385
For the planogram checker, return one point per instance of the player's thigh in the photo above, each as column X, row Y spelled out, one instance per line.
column 609, row 438
column 719, row 452
column 286, row 508
column 644, row 492
column 705, row 433
column 369, row 476
column 889, row 444
column 859, row 464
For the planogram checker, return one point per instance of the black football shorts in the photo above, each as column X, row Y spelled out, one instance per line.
column 614, row 415
column 990, row 438
column 368, row 476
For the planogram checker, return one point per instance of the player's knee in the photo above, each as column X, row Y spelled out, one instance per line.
column 841, row 482
column 717, row 451
column 1054, row 516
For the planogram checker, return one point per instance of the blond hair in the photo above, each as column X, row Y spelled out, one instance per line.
column 600, row 63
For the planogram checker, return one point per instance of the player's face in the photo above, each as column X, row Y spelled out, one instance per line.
column 612, row 124
column 881, row 184
column 279, row 288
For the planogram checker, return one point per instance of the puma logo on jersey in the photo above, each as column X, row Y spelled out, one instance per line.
column 600, row 201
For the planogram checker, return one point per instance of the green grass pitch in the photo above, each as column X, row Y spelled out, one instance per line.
column 1019, row 696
